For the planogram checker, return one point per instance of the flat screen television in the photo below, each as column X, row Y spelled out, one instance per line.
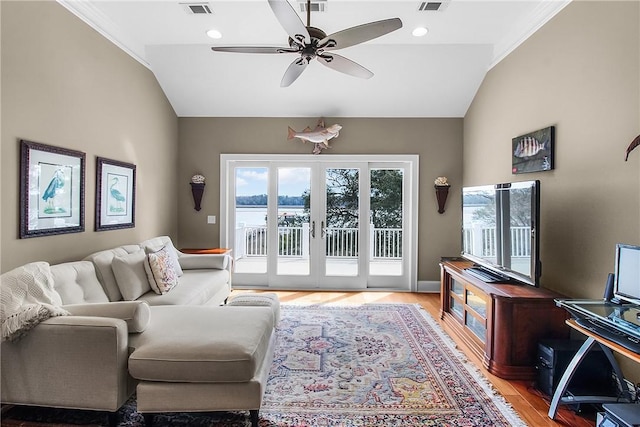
column 500, row 235
column 626, row 285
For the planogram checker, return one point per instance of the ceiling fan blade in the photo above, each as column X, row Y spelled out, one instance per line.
column 289, row 19
column 344, row 65
column 253, row 49
column 360, row 34
column 293, row 72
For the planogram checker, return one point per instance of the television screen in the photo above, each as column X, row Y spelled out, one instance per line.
column 499, row 230
column 627, row 273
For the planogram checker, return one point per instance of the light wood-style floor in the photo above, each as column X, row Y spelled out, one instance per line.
column 522, row 395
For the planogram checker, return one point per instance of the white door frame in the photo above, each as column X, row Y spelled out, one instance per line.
column 410, row 248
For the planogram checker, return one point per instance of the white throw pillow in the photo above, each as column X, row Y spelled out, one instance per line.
column 130, row 275
column 172, row 251
column 160, row 269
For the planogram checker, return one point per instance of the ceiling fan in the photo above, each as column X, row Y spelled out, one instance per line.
column 310, row 42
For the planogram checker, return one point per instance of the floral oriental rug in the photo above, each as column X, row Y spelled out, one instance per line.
column 368, row 365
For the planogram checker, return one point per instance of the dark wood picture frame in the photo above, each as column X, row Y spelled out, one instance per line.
column 51, row 190
column 533, row 152
column 115, row 194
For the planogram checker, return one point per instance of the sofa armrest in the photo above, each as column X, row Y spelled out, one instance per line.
column 135, row 313
column 203, row 261
column 69, row 362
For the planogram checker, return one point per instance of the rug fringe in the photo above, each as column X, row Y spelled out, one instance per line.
column 500, row 401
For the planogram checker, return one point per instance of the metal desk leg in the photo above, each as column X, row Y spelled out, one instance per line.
column 568, row 374
column 559, row 395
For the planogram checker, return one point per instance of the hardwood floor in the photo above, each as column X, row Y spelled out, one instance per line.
column 531, row 404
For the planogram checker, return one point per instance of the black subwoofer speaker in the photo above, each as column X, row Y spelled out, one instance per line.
column 593, row 377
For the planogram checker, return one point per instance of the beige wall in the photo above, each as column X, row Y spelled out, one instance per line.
column 64, row 84
column 581, row 73
column 437, row 141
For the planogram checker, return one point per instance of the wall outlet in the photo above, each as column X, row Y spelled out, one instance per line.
column 211, row 219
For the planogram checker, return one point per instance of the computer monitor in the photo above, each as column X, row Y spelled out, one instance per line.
column 627, row 273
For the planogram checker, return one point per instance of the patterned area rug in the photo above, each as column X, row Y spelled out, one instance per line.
column 369, row 365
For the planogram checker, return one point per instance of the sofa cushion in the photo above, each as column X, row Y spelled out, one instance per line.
column 202, row 344
column 195, row 287
column 102, row 261
column 77, row 283
column 130, row 274
column 161, row 270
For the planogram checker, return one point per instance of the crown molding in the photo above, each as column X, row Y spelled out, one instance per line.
column 97, row 20
column 526, row 27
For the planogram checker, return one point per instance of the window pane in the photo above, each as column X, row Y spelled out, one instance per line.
column 251, row 220
column 294, row 191
column 385, row 222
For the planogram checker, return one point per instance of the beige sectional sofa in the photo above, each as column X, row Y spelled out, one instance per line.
column 182, row 350
column 206, row 278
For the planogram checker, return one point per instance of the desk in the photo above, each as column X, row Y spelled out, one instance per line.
column 592, row 340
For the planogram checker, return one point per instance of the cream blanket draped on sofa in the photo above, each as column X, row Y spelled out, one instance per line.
column 27, row 297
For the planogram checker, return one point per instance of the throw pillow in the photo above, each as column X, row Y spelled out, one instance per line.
column 130, row 274
column 161, row 273
column 173, row 253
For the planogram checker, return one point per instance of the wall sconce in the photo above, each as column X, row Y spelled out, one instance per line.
column 442, row 191
column 197, row 189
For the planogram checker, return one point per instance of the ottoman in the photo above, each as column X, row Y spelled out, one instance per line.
column 203, row 359
column 265, row 299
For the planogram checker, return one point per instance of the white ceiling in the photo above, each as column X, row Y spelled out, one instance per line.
column 432, row 76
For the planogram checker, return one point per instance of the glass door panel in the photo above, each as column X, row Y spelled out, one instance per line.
column 386, row 222
column 340, row 227
column 251, row 184
column 294, row 203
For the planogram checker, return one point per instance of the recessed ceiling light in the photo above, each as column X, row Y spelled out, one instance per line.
column 214, row 34
column 420, row 31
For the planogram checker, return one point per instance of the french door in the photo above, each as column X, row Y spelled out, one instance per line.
column 310, row 222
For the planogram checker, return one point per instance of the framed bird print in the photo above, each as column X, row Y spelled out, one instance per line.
column 115, row 195
column 51, row 190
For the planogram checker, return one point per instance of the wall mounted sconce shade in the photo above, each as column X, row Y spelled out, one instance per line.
column 442, row 191
column 441, row 195
column 197, row 189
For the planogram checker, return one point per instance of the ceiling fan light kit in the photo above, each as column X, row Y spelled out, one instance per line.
column 313, row 43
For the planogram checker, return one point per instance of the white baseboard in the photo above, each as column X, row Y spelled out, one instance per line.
column 429, row 286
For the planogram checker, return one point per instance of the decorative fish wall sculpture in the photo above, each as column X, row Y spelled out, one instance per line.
column 631, row 146
column 319, row 136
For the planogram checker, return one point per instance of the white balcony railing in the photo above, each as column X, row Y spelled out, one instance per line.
column 482, row 240
column 251, row 241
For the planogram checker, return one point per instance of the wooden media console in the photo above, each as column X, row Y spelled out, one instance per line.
column 501, row 323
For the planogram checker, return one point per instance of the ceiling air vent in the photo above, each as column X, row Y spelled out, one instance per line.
column 197, row 8
column 316, row 6
column 433, row 6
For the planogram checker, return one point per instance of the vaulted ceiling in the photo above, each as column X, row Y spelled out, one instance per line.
column 436, row 75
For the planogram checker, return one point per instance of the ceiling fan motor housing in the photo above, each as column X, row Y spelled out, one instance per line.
column 310, row 50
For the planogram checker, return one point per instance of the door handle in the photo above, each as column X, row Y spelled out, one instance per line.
column 313, row 229
column 322, row 229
